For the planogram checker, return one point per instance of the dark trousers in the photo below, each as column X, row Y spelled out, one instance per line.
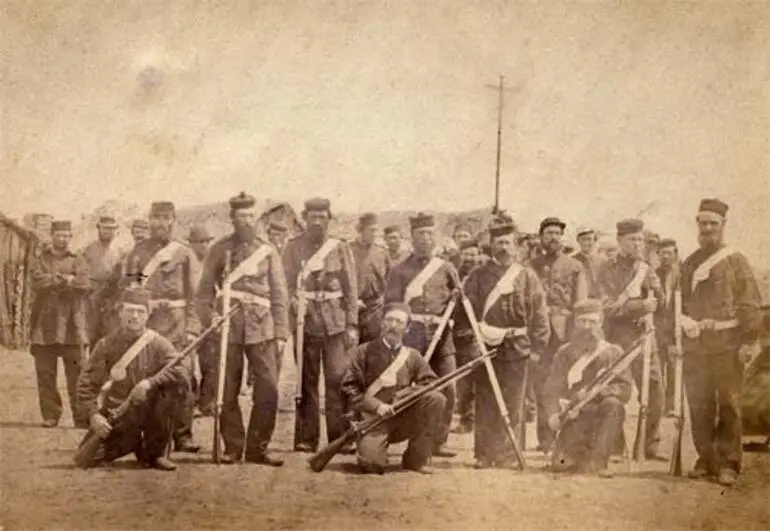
column 713, row 382
column 490, row 441
column 46, row 366
column 330, row 352
column 656, row 398
column 540, row 372
column 185, row 404
column 143, row 430
column 418, row 425
column 466, row 390
column 585, row 443
column 262, row 364
column 208, row 358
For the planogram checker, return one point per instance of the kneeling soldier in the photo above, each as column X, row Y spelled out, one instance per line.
column 585, row 442
column 131, row 358
column 381, row 372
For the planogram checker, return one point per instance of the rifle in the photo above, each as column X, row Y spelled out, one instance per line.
column 675, row 464
column 90, row 444
column 640, row 444
column 299, row 342
column 320, row 459
column 224, row 340
column 445, row 317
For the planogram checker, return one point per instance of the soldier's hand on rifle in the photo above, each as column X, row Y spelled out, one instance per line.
column 650, row 305
column 139, row 392
column 100, row 425
column 190, row 337
column 215, row 317
column 385, row 410
column 351, row 336
column 280, row 344
column 554, row 422
column 749, row 351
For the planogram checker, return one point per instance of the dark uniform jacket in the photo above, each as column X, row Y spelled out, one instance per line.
column 60, row 285
column 591, row 265
column 664, row 315
column 171, row 286
column 146, row 365
column 253, row 323
column 368, row 361
column 729, row 292
column 557, row 386
column 564, row 282
column 524, row 307
column 397, row 257
column 327, row 316
column 372, row 267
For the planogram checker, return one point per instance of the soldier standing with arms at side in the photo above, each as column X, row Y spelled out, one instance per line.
column 258, row 329
column 564, row 281
column 426, row 283
column 394, row 243
column 668, row 273
column 590, row 258
column 509, row 303
column 167, row 269
column 372, row 268
column 721, row 321
column 59, row 279
column 331, row 320
column 630, row 290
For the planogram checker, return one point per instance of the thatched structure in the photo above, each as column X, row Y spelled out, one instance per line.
column 17, row 247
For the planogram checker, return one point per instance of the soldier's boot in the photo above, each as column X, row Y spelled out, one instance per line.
column 162, row 463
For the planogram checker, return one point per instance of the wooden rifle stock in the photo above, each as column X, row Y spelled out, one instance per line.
column 640, row 444
column 320, row 459
column 675, row 464
column 224, row 341
column 299, row 340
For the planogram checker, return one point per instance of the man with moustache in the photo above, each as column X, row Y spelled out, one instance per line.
column 167, row 268
column 564, row 281
column 59, row 280
column 585, row 442
column 427, row 283
column 381, row 372
column 590, row 258
column 394, row 244
column 258, row 330
column 465, row 344
column 668, row 273
column 101, row 257
column 331, row 321
column 630, row 290
column 721, row 322
column 372, row 268
column 509, row 303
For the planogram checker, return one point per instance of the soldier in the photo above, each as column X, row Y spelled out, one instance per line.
column 199, row 240
column 396, row 251
column 146, row 428
column 630, row 290
column 608, row 250
column 258, row 329
column 59, row 279
column 372, row 268
column 721, row 321
column 462, row 233
column 331, row 321
column 668, row 273
column 277, row 231
column 140, row 230
column 385, row 370
column 101, row 257
column 426, row 283
column 590, row 258
column 509, row 303
column 584, row 443
column 168, row 269
column 564, row 281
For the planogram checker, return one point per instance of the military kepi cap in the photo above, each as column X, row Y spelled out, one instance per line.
column 140, row 224
column 585, row 230
column 501, row 226
column 397, row 306
column 667, row 242
column 278, row 226
column 162, row 207
column 61, row 225
column 138, row 296
column 548, row 222
column 421, row 220
column 468, row 244
column 242, row 200
column 629, row 226
column 713, row 205
column 107, row 221
column 198, row 233
column 368, row 219
column 390, row 229
column 587, row 306
column 318, row 204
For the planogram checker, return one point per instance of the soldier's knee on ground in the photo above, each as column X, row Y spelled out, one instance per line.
column 371, row 453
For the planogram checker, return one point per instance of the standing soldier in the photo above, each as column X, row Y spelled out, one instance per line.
column 276, row 235
column 372, row 268
column 330, row 322
column 630, row 290
column 199, row 240
column 101, row 257
column 564, row 281
column 396, row 251
column 167, row 268
column 590, row 258
column 140, row 230
column 258, row 329
column 509, row 303
column 59, row 279
column 665, row 321
column 721, row 321
column 427, row 283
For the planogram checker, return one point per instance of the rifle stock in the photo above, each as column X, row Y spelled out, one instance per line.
column 675, row 464
column 640, row 444
column 224, row 341
column 299, row 341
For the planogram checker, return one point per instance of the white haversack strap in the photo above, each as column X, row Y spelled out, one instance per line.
column 118, row 371
column 250, row 266
column 704, row 270
column 316, row 262
column 163, row 255
column 634, row 288
column 415, row 287
column 388, row 376
column 575, row 373
column 503, row 287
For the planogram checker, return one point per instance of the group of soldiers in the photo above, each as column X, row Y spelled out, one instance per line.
column 381, row 321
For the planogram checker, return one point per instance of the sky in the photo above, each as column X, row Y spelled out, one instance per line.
column 612, row 109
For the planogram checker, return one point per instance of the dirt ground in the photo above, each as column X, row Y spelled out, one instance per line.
column 41, row 490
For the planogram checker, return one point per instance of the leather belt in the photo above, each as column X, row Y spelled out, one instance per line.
column 167, row 303
column 427, row 319
column 693, row 328
column 321, row 295
column 250, row 298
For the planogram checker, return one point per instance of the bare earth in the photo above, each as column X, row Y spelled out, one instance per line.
column 40, row 489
